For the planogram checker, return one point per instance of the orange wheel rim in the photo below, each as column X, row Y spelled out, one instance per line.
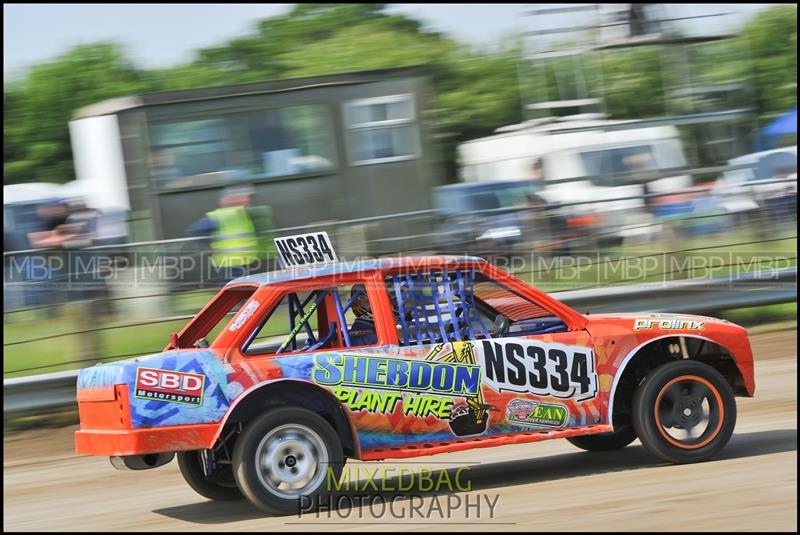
column 684, row 411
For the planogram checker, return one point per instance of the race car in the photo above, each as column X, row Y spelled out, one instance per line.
column 285, row 375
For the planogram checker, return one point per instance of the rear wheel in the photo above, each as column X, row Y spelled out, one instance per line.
column 284, row 458
column 220, row 485
column 684, row 411
column 617, row 439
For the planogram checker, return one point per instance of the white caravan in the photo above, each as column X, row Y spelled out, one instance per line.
column 576, row 155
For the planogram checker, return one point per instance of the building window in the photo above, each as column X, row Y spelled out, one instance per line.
column 290, row 141
column 187, row 149
column 240, row 146
column 382, row 129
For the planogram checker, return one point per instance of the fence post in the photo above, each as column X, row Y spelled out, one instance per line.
column 90, row 342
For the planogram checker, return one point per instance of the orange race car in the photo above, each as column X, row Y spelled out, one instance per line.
column 284, row 375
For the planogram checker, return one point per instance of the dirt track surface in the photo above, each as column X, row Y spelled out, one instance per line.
column 540, row 486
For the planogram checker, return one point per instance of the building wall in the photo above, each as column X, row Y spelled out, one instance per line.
column 152, row 138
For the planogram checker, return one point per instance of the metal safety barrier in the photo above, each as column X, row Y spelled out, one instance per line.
column 41, row 394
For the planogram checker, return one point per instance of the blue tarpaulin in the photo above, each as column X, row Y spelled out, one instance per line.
column 783, row 125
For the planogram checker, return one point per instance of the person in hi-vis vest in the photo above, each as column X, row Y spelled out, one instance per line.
column 239, row 234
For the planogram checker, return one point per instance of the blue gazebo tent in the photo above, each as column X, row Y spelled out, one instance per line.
column 784, row 125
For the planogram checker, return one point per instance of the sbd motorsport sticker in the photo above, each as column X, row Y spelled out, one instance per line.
column 165, row 385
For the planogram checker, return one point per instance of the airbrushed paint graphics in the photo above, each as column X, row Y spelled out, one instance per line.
column 378, row 384
column 442, row 392
column 440, row 387
column 393, row 396
column 100, row 376
column 168, row 376
column 399, row 396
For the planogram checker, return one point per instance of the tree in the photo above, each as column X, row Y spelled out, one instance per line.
column 770, row 41
column 475, row 91
column 39, row 108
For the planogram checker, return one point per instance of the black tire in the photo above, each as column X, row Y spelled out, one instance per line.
column 222, row 486
column 293, row 426
column 616, row 440
column 667, row 402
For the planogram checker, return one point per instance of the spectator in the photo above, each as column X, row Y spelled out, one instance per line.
column 537, row 170
column 53, row 217
column 67, row 229
column 239, row 233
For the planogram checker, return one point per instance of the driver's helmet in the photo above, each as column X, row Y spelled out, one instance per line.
column 360, row 306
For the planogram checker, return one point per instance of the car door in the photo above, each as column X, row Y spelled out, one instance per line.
column 311, row 332
column 515, row 365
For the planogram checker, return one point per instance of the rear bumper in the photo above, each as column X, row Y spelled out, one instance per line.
column 107, row 428
column 143, row 441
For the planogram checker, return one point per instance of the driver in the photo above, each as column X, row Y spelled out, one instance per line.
column 362, row 331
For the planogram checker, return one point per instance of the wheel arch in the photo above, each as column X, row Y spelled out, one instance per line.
column 651, row 353
column 289, row 392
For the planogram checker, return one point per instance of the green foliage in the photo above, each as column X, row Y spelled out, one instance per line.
column 634, row 94
column 771, row 40
column 38, row 109
column 475, row 91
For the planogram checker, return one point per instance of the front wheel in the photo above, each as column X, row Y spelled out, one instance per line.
column 684, row 411
column 284, row 459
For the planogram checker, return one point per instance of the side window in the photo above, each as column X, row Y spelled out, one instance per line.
column 436, row 307
column 524, row 317
column 204, row 329
column 327, row 318
column 358, row 317
column 275, row 330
